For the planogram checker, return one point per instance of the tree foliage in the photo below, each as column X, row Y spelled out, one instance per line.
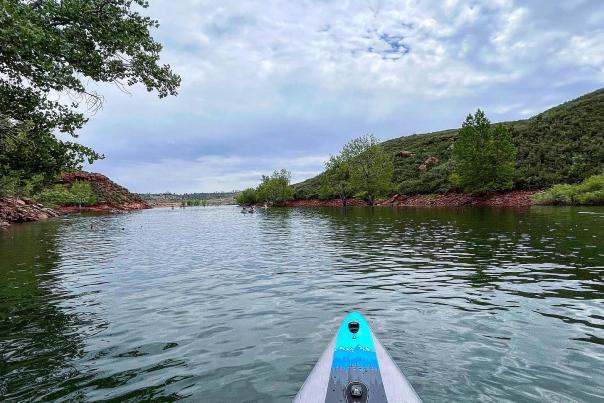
column 247, row 197
column 48, row 50
column 31, row 157
column 362, row 168
column 337, row 179
column 484, row 156
column 275, row 189
column 80, row 194
column 370, row 167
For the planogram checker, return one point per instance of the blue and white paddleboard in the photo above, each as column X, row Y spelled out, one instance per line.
column 355, row 368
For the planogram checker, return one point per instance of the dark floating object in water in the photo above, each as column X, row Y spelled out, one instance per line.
column 355, row 368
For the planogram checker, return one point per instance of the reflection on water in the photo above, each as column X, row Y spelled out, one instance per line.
column 209, row 304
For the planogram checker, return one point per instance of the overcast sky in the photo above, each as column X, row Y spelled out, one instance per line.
column 283, row 84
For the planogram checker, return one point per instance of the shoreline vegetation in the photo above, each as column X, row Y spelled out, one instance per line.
column 553, row 158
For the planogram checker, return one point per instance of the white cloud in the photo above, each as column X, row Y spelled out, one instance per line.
column 266, row 79
column 586, row 51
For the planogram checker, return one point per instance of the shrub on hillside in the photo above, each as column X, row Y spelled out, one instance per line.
column 434, row 181
column 56, row 196
column 80, row 194
column 590, row 191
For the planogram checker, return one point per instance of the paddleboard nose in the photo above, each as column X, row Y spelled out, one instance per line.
column 355, row 368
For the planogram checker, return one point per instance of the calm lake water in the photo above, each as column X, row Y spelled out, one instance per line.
column 208, row 304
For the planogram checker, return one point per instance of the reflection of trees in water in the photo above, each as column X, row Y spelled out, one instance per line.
column 37, row 338
column 485, row 247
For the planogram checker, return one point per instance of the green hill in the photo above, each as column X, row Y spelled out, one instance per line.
column 564, row 144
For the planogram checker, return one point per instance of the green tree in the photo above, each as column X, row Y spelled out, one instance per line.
column 49, row 49
column 275, row 189
column 370, row 167
column 337, row 179
column 484, row 156
column 247, row 197
column 82, row 193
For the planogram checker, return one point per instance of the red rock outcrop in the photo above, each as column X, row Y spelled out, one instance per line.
column 14, row 210
column 513, row 198
column 111, row 198
column 110, row 195
column 325, row 203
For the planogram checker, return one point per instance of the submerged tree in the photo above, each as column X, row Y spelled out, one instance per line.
column 484, row 156
column 49, row 49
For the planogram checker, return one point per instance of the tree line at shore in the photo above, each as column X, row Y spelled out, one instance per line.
column 484, row 159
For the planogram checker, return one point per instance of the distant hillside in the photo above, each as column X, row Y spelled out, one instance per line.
column 564, row 144
column 212, row 198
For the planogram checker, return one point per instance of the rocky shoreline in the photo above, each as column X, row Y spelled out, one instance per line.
column 514, row 198
column 14, row 210
column 112, row 198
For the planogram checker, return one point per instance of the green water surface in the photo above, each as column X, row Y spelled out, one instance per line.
column 211, row 305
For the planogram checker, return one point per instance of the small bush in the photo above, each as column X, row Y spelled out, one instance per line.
column 80, row 194
column 590, row 191
column 56, row 196
column 247, row 197
column 363, row 195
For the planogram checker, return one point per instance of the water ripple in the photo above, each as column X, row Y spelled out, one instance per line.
column 208, row 304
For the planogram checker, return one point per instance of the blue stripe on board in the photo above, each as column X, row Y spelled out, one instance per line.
column 354, row 349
